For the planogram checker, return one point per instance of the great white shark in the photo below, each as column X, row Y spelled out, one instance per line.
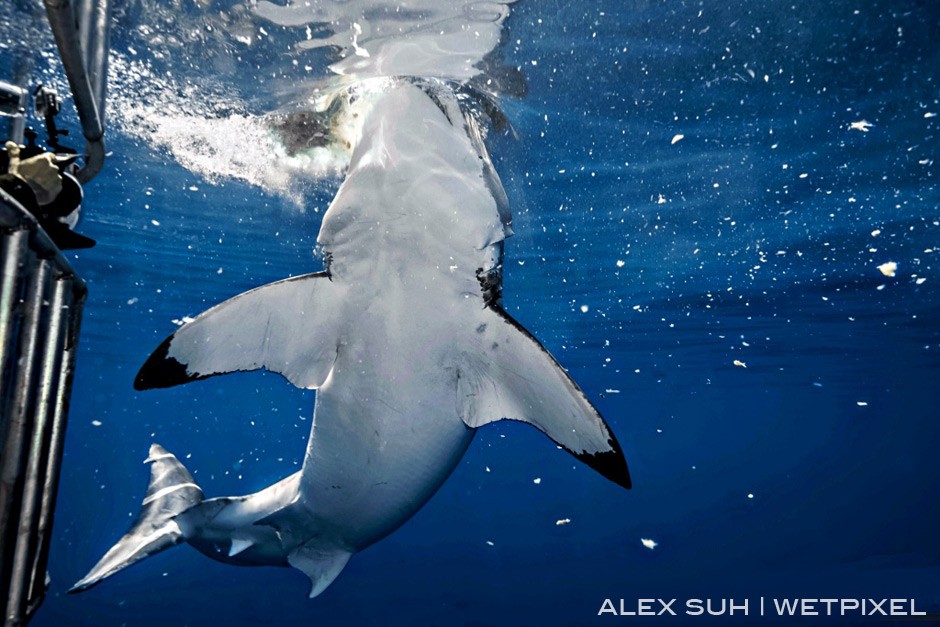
column 402, row 335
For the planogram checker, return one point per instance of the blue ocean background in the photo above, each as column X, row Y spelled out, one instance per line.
column 650, row 265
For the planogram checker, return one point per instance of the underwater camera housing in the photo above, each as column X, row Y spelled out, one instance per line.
column 41, row 180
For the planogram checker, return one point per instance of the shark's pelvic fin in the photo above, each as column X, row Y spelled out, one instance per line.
column 512, row 376
column 257, row 329
column 171, row 492
column 321, row 565
column 239, row 545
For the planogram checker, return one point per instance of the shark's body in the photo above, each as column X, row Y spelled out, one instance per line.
column 403, row 338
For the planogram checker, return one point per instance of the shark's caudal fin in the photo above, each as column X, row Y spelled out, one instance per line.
column 511, row 375
column 170, row 493
column 257, row 329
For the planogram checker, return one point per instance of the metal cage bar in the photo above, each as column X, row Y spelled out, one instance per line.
column 41, row 302
column 82, row 34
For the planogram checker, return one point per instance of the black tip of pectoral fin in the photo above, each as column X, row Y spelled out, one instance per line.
column 162, row 371
column 611, row 464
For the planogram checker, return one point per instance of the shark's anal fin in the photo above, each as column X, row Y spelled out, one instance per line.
column 257, row 329
column 321, row 565
column 513, row 377
column 240, row 544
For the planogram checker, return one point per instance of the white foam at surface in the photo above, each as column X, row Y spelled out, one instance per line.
column 208, row 130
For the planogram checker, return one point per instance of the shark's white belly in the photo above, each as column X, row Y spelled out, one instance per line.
column 410, row 228
column 386, row 431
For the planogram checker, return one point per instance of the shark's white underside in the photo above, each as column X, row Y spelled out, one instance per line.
column 403, row 339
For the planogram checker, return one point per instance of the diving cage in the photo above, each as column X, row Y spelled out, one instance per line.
column 41, row 296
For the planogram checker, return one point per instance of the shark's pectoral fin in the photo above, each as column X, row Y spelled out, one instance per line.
column 288, row 327
column 321, row 565
column 513, row 377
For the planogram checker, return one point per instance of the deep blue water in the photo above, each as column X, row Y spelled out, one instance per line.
column 647, row 268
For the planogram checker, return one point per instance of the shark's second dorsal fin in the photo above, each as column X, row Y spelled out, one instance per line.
column 257, row 329
column 510, row 375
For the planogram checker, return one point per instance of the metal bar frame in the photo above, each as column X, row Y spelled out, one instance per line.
column 41, row 301
column 85, row 68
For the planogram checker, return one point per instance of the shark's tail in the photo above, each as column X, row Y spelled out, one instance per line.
column 171, row 492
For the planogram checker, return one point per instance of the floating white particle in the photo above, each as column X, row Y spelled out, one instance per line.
column 677, row 138
column 562, row 521
column 861, row 403
column 487, row 468
column 888, row 268
column 920, row 281
column 876, row 233
column 803, row 175
column 620, row 263
column 739, row 363
column 611, row 391
column 155, row 223
column 193, row 188
column 96, row 423
column 930, row 114
column 357, row 49
column 861, row 125
column 584, row 308
column 490, row 543
column 537, row 480
column 750, row 495
column 650, row 544
column 132, row 301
